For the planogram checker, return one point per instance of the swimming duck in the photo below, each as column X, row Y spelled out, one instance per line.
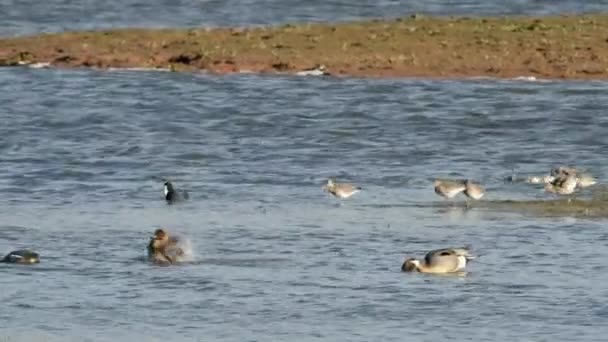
column 474, row 191
column 172, row 195
column 164, row 249
column 22, row 256
column 448, row 260
column 448, row 188
column 340, row 190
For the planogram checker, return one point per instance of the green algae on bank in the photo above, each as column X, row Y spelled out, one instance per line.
column 546, row 47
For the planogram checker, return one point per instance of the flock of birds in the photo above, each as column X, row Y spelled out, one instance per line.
column 166, row 249
column 561, row 181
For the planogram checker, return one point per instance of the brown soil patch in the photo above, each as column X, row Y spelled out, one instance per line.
column 546, row 47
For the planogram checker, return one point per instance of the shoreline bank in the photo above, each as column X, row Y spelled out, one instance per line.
column 557, row 47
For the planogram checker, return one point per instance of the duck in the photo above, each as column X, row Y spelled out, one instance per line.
column 22, row 256
column 340, row 190
column 172, row 195
column 473, row 190
column 447, row 260
column 448, row 188
column 163, row 248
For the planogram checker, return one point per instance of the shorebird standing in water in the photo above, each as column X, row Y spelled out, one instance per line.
column 448, row 188
column 340, row 190
column 474, row 191
column 448, row 260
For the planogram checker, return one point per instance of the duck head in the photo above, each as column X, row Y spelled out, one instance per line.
column 168, row 189
column 160, row 237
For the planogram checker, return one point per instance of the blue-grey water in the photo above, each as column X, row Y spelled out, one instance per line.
column 83, row 154
column 33, row 16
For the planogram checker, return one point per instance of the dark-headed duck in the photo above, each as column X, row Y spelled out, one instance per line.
column 172, row 195
column 22, row 256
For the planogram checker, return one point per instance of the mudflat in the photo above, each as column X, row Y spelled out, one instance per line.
column 558, row 47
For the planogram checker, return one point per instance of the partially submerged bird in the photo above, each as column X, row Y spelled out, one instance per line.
column 172, row 195
column 340, row 190
column 448, row 260
column 164, row 249
column 448, row 188
column 474, row 191
column 22, row 256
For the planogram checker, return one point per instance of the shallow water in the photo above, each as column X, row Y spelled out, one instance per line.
column 83, row 154
column 31, row 16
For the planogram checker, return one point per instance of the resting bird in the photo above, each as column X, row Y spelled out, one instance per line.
column 448, row 188
column 474, row 191
column 340, row 190
column 448, row 260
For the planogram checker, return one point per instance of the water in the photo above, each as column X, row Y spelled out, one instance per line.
column 32, row 16
column 83, row 154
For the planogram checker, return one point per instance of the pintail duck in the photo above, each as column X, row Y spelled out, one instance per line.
column 340, row 190
column 448, row 260
column 164, row 249
column 172, row 195
column 22, row 256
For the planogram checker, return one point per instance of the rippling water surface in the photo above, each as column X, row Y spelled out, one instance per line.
column 83, row 154
column 32, row 16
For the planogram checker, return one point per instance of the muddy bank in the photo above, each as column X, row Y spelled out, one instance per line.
column 571, row 47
